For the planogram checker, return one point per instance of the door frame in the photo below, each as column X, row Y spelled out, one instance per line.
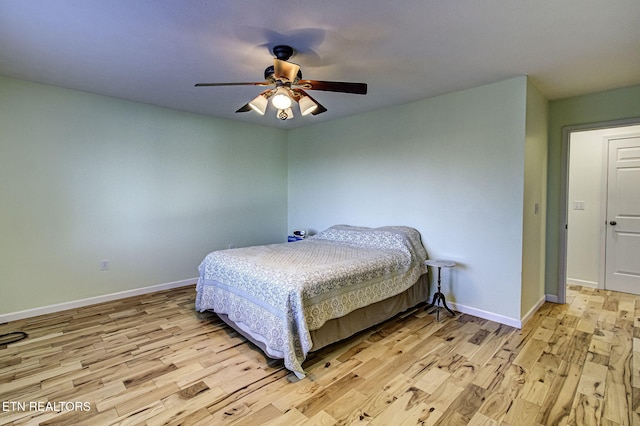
column 564, row 189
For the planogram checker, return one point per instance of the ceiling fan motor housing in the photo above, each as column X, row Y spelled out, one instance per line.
column 270, row 70
column 283, row 52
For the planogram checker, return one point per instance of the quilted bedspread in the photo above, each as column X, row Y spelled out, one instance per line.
column 280, row 292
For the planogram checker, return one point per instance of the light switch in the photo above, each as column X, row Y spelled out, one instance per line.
column 578, row 205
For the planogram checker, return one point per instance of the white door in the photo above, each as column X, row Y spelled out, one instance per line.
column 622, row 257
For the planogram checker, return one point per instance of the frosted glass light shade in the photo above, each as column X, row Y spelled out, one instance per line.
column 259, row 104
column 307, row 106
column 281, row 99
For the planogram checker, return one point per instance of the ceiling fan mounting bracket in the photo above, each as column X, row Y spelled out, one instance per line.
column 283, row 52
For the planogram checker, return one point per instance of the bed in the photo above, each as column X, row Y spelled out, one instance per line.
column 293, row 298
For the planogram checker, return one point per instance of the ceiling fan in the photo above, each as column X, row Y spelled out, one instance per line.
column 289, row 87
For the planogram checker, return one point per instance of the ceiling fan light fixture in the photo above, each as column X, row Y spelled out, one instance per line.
column 307, row 106
column 285, row 114
column 281, row 99
column 259, row 104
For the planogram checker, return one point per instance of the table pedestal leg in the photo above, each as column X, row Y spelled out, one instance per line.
column 439, row 297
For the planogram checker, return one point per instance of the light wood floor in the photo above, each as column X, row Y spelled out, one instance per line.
column 153, row 360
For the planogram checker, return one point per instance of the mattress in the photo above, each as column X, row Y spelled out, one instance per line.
column 279, row 294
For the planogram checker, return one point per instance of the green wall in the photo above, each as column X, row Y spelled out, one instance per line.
column 535, row 201
column 451, row 166
column 85, row 178
column 599, row 107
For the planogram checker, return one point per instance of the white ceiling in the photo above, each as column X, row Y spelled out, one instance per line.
column 153, row 51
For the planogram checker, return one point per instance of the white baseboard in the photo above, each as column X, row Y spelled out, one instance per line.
column 512, row 322
column 553, row 298
column 28, row 313
column 583, row 283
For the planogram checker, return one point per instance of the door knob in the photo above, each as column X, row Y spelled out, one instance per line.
column 613, row 222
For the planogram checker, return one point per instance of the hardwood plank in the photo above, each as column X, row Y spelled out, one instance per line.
column 480, row 419
column 538, row 384
column 499, row 400
column 593, row 379
column 558, row 404
column 522, row 413
column 469, row 401
column 588, row 411
column 329, row 394
column 342, row 409
column 291, row 417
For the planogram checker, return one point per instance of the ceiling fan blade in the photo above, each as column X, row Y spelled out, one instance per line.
column 284, row 69
column 320, row 108
column 244, row 108
column 262, row 83
column 334, row 86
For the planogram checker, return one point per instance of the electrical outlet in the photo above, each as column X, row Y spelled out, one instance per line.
column 231, row 245
column 104, row 264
